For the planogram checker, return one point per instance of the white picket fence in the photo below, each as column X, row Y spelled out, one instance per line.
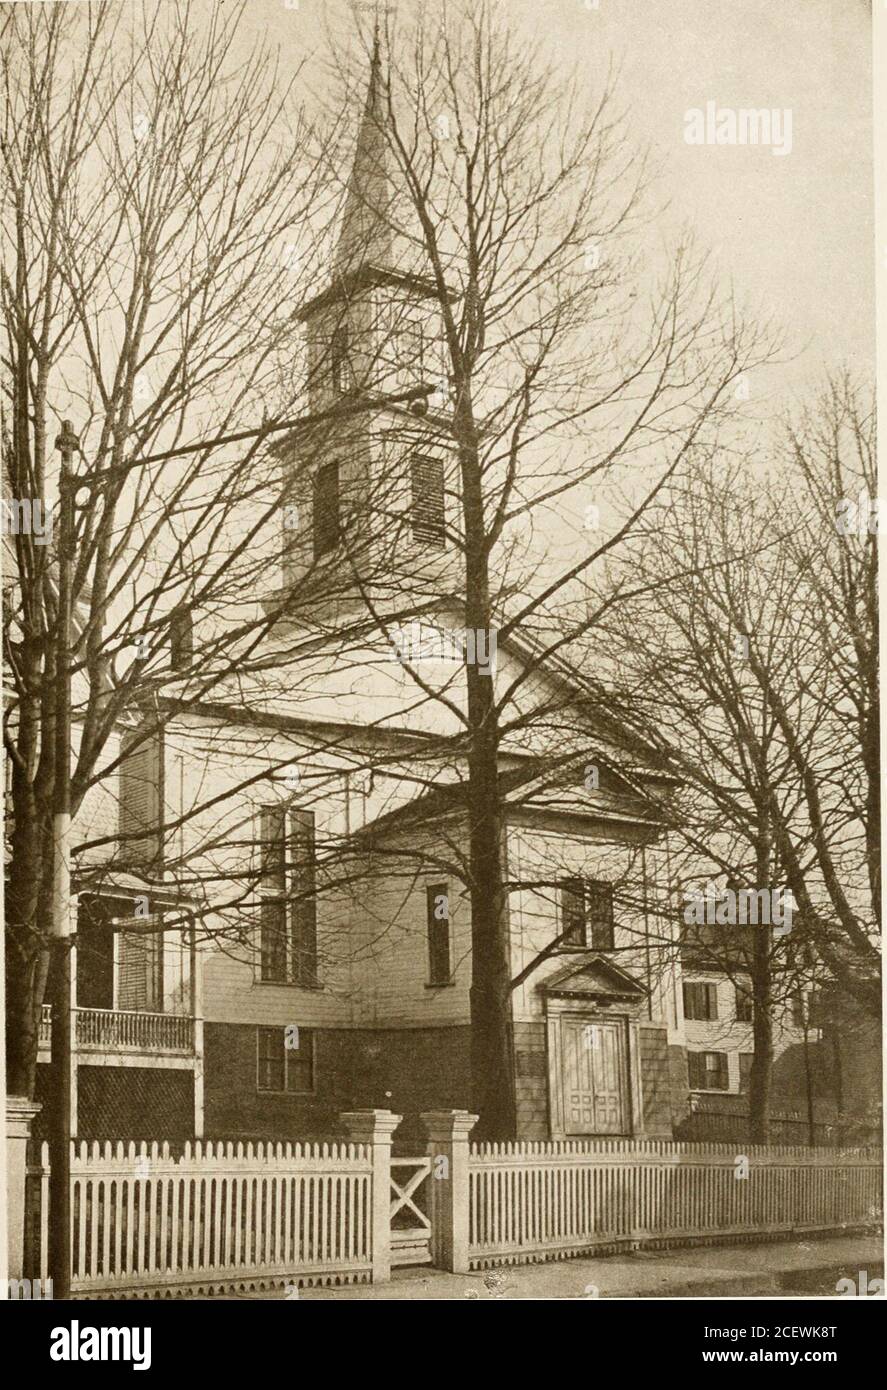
column 215, row 1217
column 537, row 1201
column 223, row 1217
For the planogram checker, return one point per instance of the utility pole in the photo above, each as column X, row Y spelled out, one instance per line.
column 62, row 937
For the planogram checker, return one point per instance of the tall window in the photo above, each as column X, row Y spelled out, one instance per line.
column 437, row 917
column 586, row 906
column 340, row 360
column 744, row 1005
column 707, row 1071
column 288, row 911
column 427, row 508
column 285, row 1060
column 327, row 523
column 700, row 1000
column 745, row 1061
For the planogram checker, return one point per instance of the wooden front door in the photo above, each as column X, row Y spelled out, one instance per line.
column 594, row 1077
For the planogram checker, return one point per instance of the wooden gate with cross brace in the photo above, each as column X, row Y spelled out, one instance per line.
column 410, row 1222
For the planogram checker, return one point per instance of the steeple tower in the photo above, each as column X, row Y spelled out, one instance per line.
column 370, row 487
column 366, row 235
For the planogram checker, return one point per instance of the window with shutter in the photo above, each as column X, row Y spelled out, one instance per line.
column 288, row 897
column 428, row 513
column 326, row 509
column 707, row 1071
column 700, row 1001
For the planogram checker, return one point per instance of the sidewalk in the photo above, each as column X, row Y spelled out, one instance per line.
column 781, row 1269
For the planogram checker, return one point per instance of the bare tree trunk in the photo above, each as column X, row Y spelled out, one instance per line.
column 760, row 1080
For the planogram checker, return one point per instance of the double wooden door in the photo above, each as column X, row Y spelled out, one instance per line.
column 595, row 1077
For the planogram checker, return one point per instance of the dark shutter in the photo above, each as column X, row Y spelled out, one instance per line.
column 273, row 894
column 572, row 896
column 427, row 501
column 437, row 918
column 326, row 507
column 303, row 899
column 181, row 639
column 599, row 914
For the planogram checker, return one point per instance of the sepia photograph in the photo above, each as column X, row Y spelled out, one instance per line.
column 441, row 739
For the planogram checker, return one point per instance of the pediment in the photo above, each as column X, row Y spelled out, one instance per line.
column 594, row 978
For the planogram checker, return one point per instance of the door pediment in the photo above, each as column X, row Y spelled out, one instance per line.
column 596, row 981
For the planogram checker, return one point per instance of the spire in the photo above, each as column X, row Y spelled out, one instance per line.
column 366, row 235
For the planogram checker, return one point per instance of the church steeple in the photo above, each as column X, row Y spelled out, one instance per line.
column 372, row 488
column 366, row 235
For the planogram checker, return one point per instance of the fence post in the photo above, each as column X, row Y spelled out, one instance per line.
column 449, row 1195
column 20, row 1113
column 375, row 1127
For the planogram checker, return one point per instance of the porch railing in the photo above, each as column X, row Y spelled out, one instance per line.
column 122, row 1030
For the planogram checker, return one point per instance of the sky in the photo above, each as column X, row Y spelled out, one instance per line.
column 793, row 232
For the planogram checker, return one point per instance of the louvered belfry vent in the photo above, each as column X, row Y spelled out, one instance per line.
column 428, row 512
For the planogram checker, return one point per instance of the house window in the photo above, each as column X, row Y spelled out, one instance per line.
column 427, row 509
column 327, row 524
column 700, row 1000
column 437, row 917
column 285, row 1060
column 707, row 1071
column 745, row 1061
column 744, row 1005
column 288, row 909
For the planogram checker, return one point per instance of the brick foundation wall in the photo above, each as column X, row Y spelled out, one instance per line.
column 405, row 1070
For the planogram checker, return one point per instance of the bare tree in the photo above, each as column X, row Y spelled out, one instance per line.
column 154, row 243
column 750, row 645
column 520, row 207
